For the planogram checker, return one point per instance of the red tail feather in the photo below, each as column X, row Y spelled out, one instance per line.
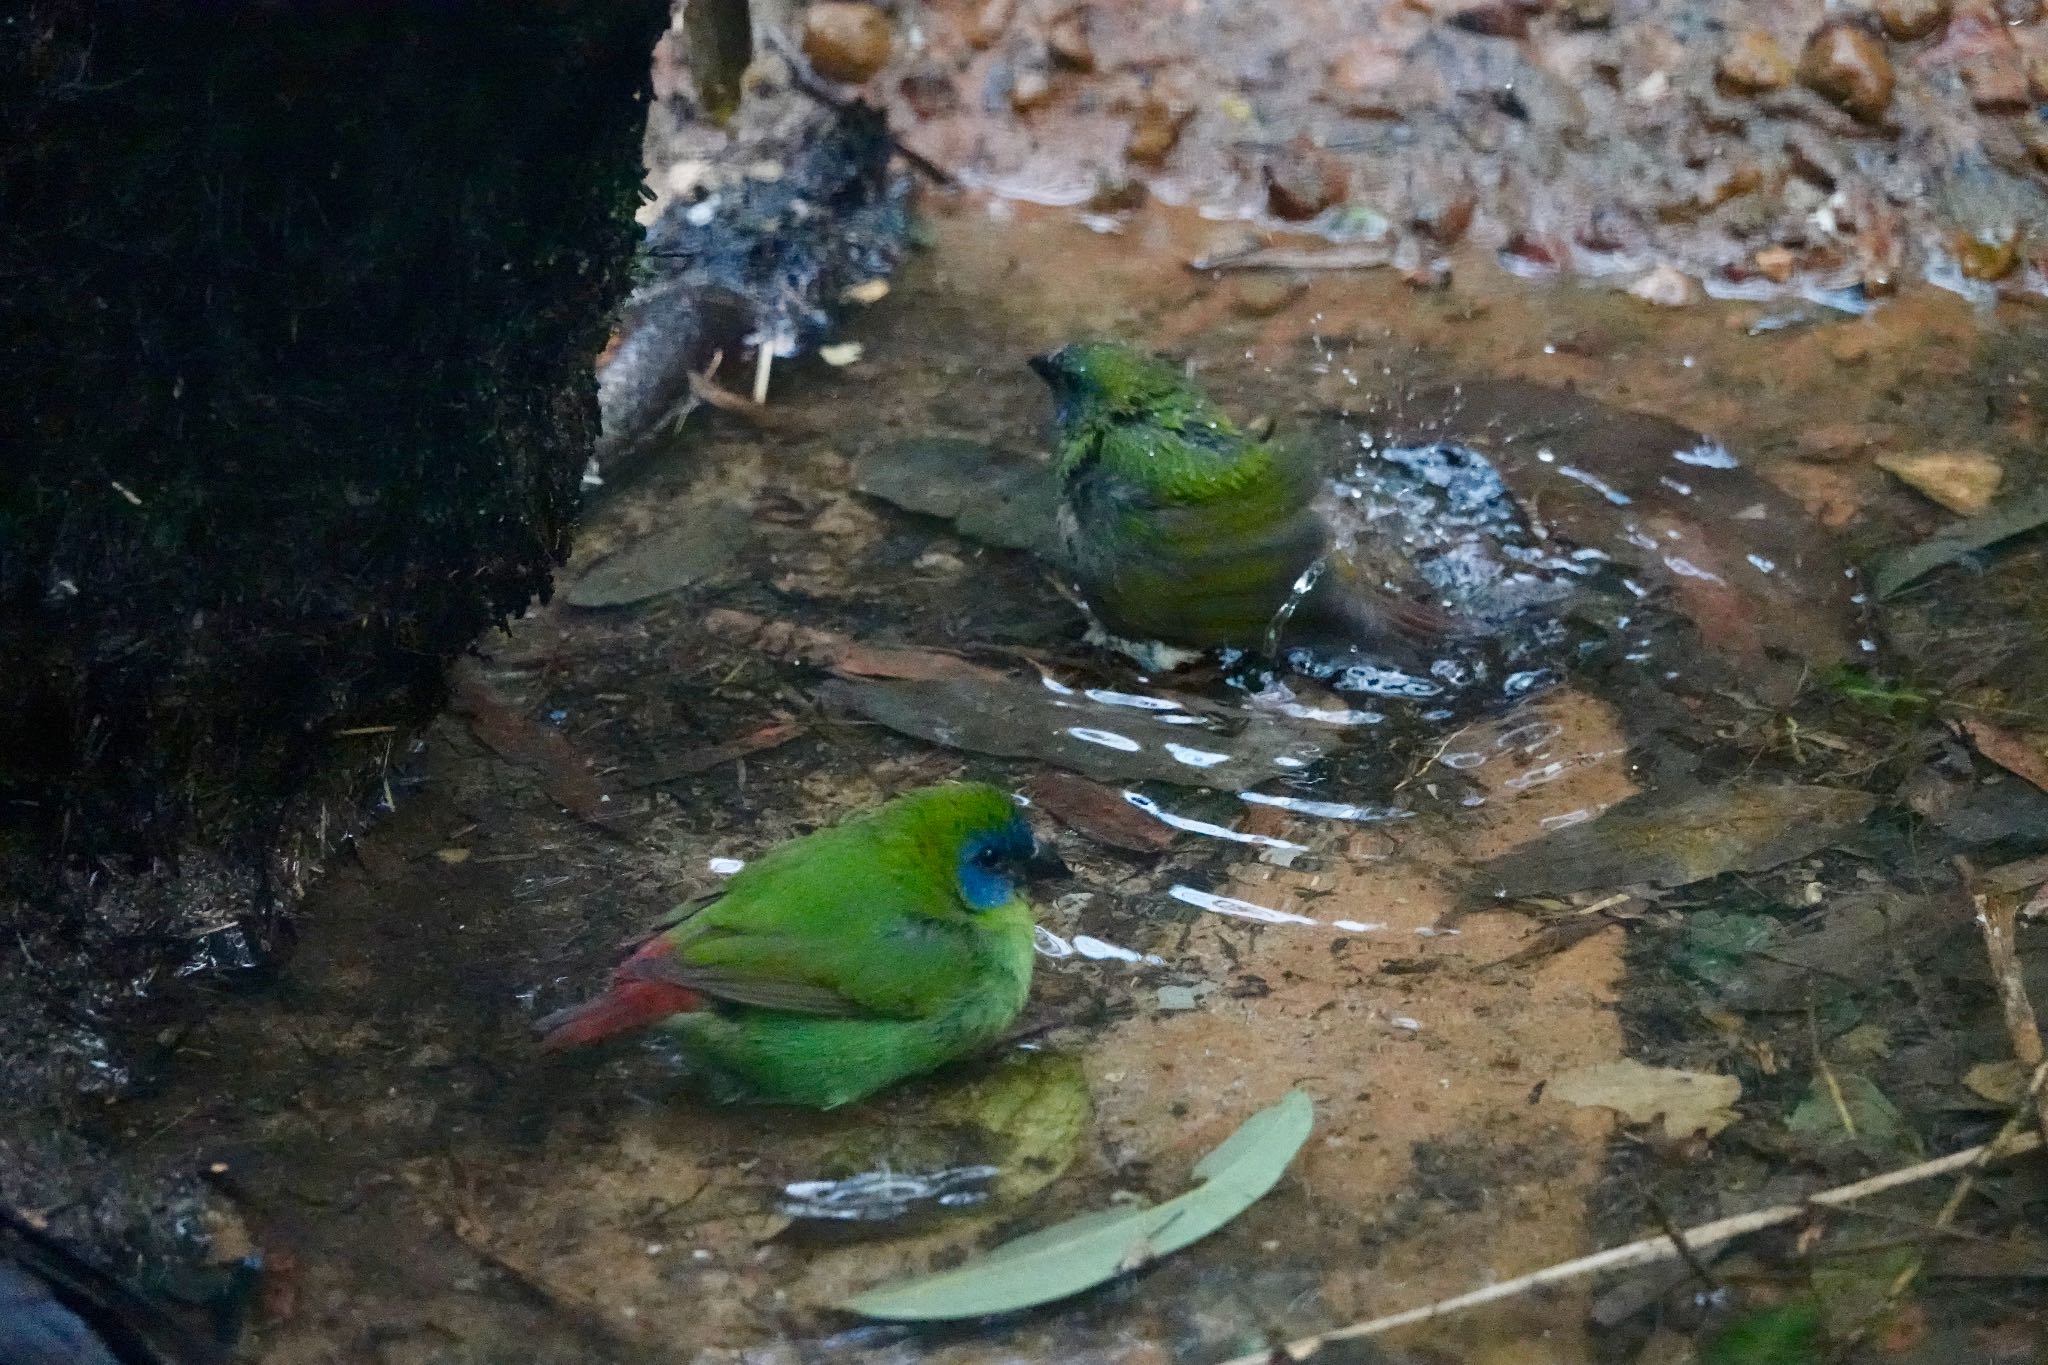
column 631, row 1001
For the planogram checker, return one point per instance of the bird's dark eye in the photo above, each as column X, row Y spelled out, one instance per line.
column 989, row 857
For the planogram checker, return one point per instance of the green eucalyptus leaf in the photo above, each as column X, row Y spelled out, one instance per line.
column 1083, row 1252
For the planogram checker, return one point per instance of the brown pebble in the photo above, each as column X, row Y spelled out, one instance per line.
column 1982, row 260
column 1752, row 64
column 1493, row 18
column 1996, row 81
column 1445, row 219
column 1155, row 131
column 1844, row 63
column 1069, row 44
column 929, row 92
column 845, row 40
column 1907, row 20
column 1667, row 287
column 990, row 23
column 1030, row 89
column 1366, row 79
column 1775, row 263
column 1261, row 294
column 1301, row 183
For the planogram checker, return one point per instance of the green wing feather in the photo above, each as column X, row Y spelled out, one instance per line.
column 861, row 919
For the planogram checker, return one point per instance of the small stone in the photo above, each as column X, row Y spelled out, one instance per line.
column 1155, row 131
column 1846, row 65
column 1667, row 287
column 1068, row 42
column 1493, row 18
column 1987, row 260
column 1446, row 218
column 929, row 92
column 1907, row 20
column 1365, row 80
column 990, row 23
column 845, row 40
column 1177, row 998
column 1775, row 263
column 1300, row 184
column 1752, row 64
column 1963, row 481
column 1261, row 294
column 1030, row 89
column 1996, row 81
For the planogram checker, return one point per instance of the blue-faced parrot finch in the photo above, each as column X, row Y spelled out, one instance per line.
column 841, row 962
column 1180, row 527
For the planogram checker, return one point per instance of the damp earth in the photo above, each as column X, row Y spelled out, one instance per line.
column 1286, row 875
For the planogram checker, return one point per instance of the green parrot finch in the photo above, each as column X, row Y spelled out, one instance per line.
column 841, row 962
column 1180, row 527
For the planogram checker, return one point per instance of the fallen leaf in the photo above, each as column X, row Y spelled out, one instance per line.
column 1034, row 1110
column 1083, row 1252
column 564, row 774
column 2002, row 1083
column 1005, row 718
column 2009, row 751
column 669, row 559
column 1963, row 481
column 1099, row 812
column 1689, row 1102
column 999, row 499
column 1877, row 1120
column 1960, row 539
column 1855, row 938
column 710, row 756
column 841, row 653
column 1674, row 839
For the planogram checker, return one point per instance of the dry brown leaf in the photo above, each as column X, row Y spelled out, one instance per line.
column 1688, row 1101
column 1098, row 812
column 2009, row 751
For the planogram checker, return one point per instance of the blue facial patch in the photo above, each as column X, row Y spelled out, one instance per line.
column 989, row 863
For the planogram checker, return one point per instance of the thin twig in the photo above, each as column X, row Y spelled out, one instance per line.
column 1658, row 1249
column 1827, row 1073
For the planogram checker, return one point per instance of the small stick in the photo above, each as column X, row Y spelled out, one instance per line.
column 1827, row 1073
column 1653, row 1250
column 763, row 359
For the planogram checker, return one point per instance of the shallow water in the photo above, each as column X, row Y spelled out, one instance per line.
column 446, row 1194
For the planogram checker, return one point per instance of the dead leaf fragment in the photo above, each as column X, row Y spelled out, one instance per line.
column 2022, row 756
column 1689, row 1102
column 1098, row 812
column 1963, row 481
column 1672, row 840
column 2002, row 1083
column 564, row 774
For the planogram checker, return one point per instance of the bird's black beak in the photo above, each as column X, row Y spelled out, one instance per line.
column 1044, row 865
column 1046, row 367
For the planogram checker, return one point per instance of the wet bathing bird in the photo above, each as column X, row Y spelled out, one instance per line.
column 1181, row 527
column 843, row 961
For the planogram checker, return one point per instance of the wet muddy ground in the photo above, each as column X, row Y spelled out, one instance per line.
column 427, row 1187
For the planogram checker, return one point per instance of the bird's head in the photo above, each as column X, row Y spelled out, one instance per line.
column 1108, row 379
column 991, row 848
